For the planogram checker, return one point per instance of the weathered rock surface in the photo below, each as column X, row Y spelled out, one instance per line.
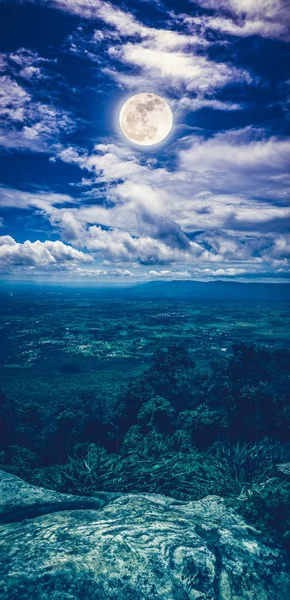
column 130, row 547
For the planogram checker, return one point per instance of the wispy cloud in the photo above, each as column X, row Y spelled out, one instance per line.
column 265, row 18
column 41, row 200
column 163, row 59
column 185, row 71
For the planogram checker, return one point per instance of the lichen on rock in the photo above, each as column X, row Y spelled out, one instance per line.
column 130, row 547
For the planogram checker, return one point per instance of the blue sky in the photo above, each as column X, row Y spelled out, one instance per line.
column 78, row 202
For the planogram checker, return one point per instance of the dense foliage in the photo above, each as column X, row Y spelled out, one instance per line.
column 175, row 429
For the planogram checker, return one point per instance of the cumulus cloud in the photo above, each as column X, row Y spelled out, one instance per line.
column 245, row 178
column 38, row 254
column 119, row 246
column 198, row 273
column 236, row 180
column 227, row 200
column 94, row 273
column 169, row 274
column 52, row 259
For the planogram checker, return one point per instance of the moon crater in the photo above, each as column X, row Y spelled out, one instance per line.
column 146, row 119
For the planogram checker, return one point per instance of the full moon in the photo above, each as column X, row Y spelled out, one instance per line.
column 146, row 119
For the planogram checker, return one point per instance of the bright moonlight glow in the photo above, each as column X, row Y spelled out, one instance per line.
column 146, row 119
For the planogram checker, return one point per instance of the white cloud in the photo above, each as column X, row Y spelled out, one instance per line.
column 125, row 23
column 119, row 246
column 52, row 259
column 243, row 150
column 168, row 274
column 220, row 207
column 281, row 247
column 87, row 9
column 231, row 189
column 27, row 122
column 166, row 60
column 267, row 18
column 220, row 272
column 92, row 273
column 245, row 179
column 198, row 273
column 234, row 180
column 25, row 64
column 42, row 200
column 189, row 103
column 14, row 100
column 38, row 254
column 177, row 70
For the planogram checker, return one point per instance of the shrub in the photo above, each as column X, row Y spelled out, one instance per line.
column 267, row 508
column 158, row 413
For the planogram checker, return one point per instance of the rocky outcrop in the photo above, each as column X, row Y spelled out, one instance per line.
column 130, row 547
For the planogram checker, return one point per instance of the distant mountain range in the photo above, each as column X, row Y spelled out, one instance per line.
column 216, row 290
column 198, row 290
